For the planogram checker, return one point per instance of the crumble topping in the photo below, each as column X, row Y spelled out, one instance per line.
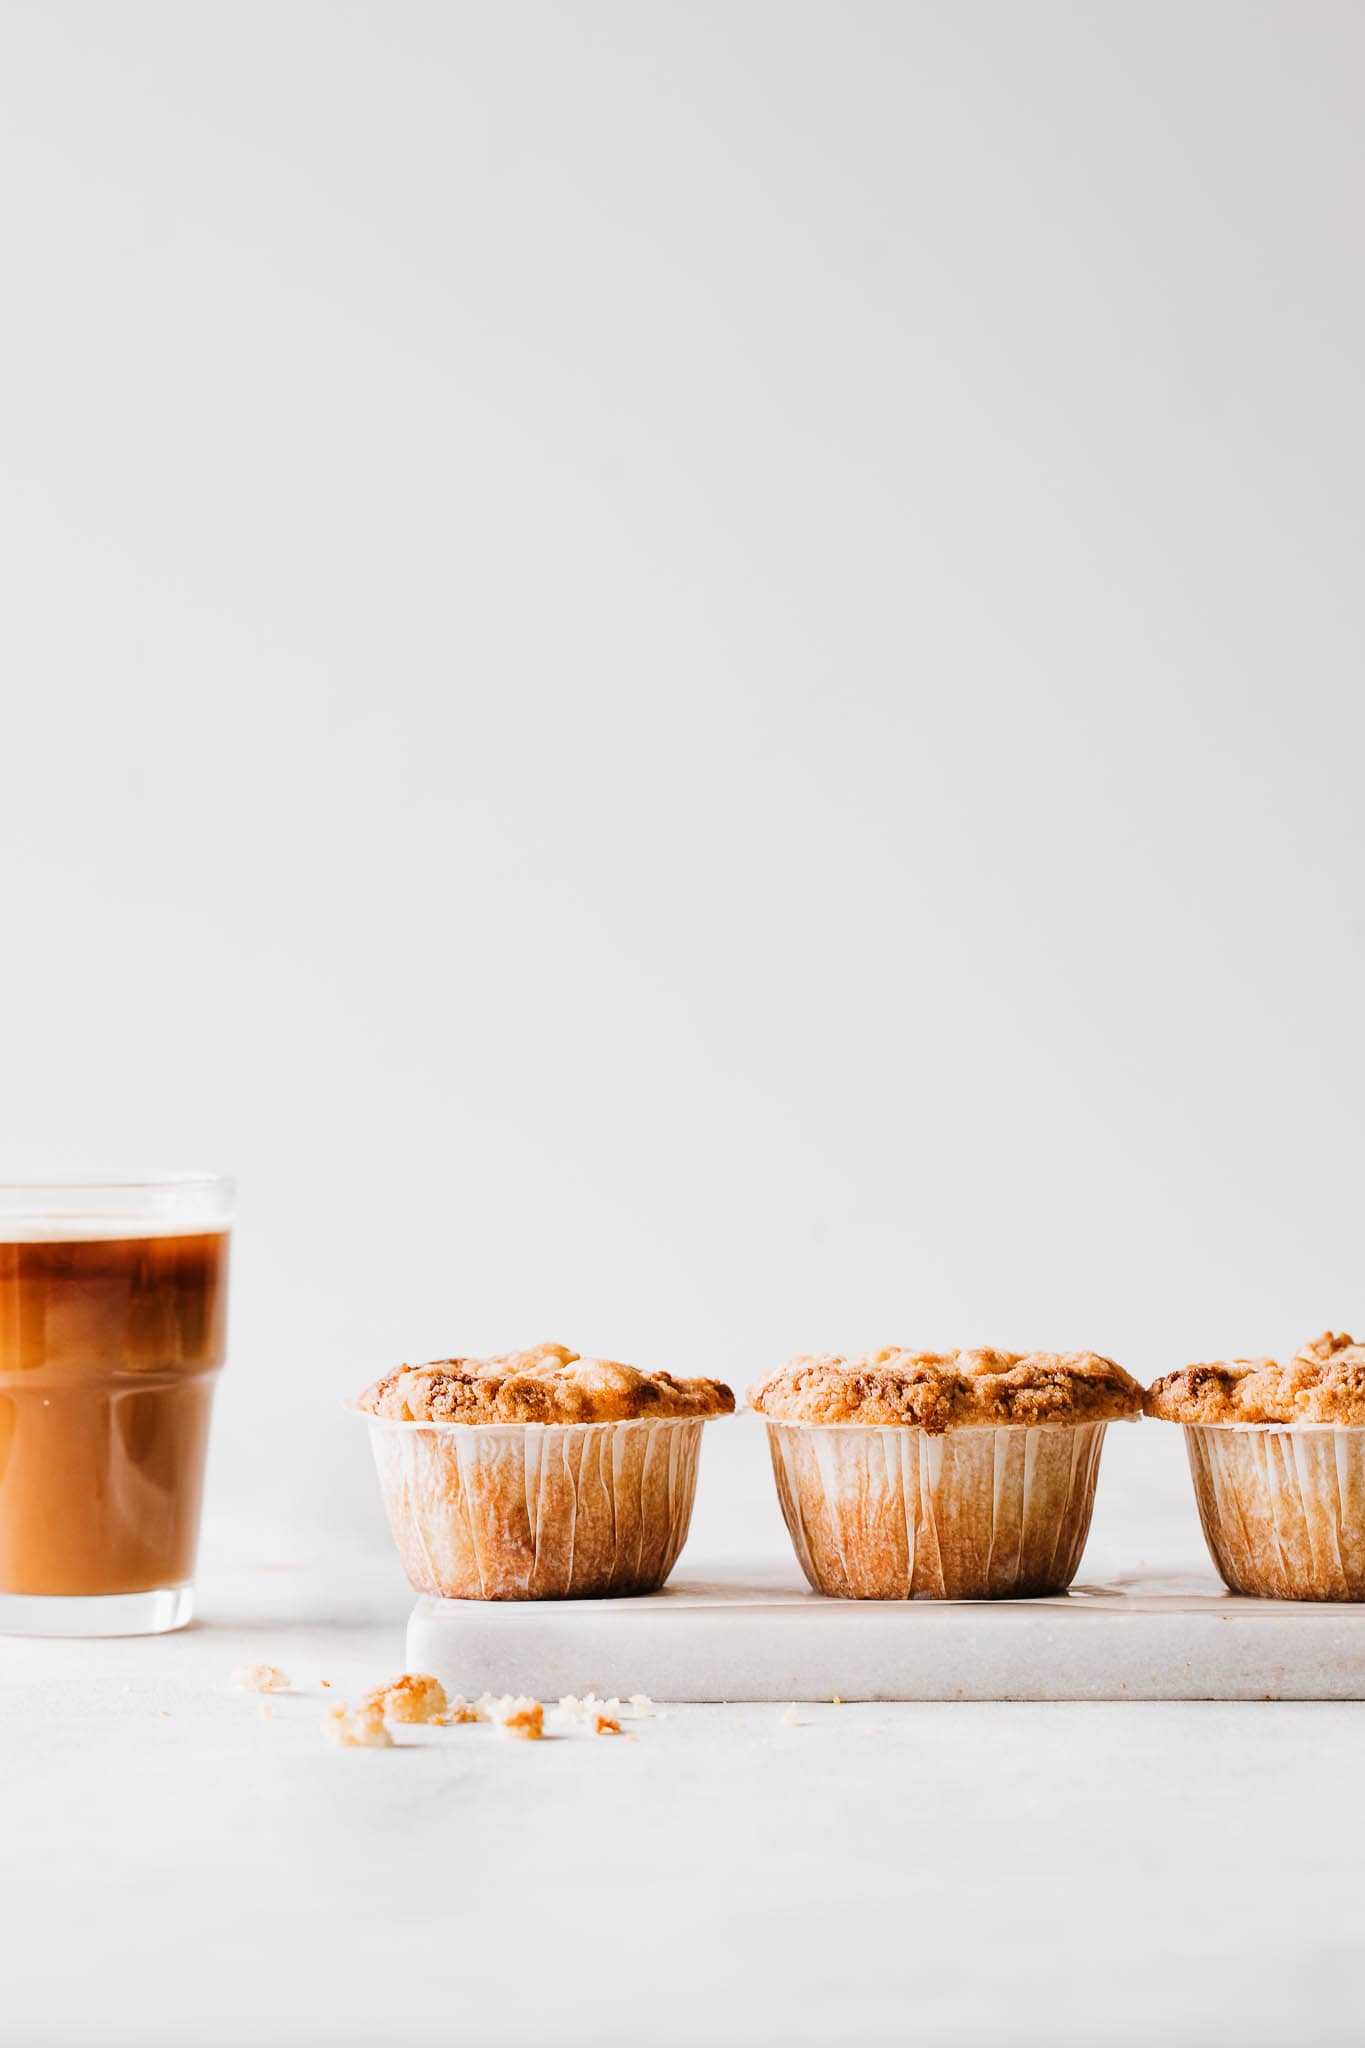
column 1323, row 1382
column 547, row 1384
column 941, row 1390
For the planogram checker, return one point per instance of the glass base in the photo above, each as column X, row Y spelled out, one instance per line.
column 96, row 1614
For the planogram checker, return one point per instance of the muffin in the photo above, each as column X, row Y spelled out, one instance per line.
column 540, row 1475
column 1277, row 1453
column 963, row 1475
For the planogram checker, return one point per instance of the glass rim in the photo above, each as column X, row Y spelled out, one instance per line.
column 121, row 1183
column 115, row 1204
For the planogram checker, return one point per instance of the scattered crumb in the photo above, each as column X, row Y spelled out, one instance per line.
column 457, row 1712
column 359, row 1727
column 415, row 1697
column 260, row 1678
column 790, row 1719
column 582, row 1712
column 326, row 1683
column 838, row 1700
column 165, row 1713
column 418, row 1697
column 601, row 1717
column 266, row 1709
column 522, row 1719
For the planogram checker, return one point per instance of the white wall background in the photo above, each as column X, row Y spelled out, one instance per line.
column 689, row 676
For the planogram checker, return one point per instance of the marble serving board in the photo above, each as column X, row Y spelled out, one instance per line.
column 762, row 1635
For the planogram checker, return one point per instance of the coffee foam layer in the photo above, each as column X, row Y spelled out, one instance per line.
column 87, row 1229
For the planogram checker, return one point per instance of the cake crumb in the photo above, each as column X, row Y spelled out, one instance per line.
column 260, row 1678
column 641, row 1705
column 326, row 1684
column 359, row 1727
column 580, row 1711
column 414, row 1698
column 523, row 1720
column 599, row 1716
column 838, row 1700
column 790, row 1719
column 456, row 1713
column 266, row 1709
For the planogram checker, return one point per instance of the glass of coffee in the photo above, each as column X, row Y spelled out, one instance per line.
column 113, row 1325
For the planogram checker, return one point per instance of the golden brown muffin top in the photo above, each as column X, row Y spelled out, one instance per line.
column 547, row 1384
column 938, row 1390
column 1325, row 1382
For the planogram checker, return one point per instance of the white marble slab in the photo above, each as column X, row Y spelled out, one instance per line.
column 762, row 1635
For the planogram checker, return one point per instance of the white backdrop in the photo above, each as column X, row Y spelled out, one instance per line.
column 689, row 678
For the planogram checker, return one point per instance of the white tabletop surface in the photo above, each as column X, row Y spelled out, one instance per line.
column 179, row 1868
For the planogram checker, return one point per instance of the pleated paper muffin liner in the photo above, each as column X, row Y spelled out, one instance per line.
column 889, row 1512
column 538, row 1511
column 1283, row 1507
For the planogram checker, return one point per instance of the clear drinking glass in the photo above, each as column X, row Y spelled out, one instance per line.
column 113, row 1326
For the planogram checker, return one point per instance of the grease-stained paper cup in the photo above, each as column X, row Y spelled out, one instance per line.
column 1283, row 1507
column 538, row 1511
column 885, row 1511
